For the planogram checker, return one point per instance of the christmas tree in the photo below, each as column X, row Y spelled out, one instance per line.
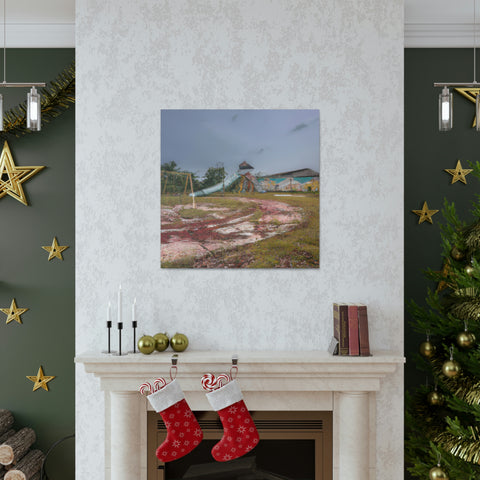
column 442, row 422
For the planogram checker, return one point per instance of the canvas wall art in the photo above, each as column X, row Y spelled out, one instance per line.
column 240, row 188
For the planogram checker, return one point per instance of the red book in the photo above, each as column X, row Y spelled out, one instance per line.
column 340, row 326
column 363, row 331
column 353, row 342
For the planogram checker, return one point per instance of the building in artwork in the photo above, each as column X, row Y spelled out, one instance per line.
column 303, row 180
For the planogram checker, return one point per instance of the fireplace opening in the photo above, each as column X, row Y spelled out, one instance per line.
column 293, row 446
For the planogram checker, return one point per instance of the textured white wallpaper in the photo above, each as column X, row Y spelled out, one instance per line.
column 135, row 58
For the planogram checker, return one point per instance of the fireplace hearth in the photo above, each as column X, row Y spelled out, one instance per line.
column 293, row 446
column 270, row 381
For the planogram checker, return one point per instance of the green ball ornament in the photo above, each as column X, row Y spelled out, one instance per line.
column 427, row 349
column 146, row 344
column 437, row 473
column 161, row 342
column 435, row 398
column 451, row 368
column 179, row 342
column 466, row 339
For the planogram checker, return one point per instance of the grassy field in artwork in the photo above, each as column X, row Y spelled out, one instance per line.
column 254, row 230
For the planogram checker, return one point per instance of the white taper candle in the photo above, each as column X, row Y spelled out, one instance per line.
column 120, row 304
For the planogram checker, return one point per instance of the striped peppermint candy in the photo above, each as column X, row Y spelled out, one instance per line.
column 210, row 383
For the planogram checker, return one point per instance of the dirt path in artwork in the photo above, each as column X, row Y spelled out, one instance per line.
column 213, row 228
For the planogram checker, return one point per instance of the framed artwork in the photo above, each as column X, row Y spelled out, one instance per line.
column 240, row 188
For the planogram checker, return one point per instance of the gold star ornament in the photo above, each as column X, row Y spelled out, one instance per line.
column 55, row 250
column 459, row 173
column 470, row 94
column 12, row 176
column 40, row 380
column 425, row 214
column 13, row 313
column 445, row 272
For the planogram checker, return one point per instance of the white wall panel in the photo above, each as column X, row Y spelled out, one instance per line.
column 135, row 58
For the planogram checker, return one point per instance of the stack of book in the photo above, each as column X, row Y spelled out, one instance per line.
column 350, row 330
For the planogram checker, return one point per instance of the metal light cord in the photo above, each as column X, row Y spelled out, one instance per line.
column 474, row 42
column 4, row 41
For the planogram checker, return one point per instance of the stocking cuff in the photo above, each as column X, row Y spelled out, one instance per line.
column 166, row 397
column 225, row 396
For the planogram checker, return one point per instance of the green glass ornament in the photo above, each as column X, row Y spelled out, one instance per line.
column 146, row 344
column 161, row 342
column 179, row 342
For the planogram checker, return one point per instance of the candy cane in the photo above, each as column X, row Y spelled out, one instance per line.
column 159, row 383
column 146, row 386
column 222, row 380
column 210, row 383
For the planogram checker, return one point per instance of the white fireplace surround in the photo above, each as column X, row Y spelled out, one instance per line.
column 270, row 381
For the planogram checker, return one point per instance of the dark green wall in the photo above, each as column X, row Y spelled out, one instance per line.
column 47, row 334
column 427, row 153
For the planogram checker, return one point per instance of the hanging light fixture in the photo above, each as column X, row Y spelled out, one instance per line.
column 34, row 106
column 445, row 110
column 34, row 110
column 445, row 99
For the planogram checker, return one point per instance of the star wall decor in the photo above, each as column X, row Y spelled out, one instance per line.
column 40, row 380
column 13, row 313
column 12, row 176
column 458, row 173
column 425, row 214
column 55, row 250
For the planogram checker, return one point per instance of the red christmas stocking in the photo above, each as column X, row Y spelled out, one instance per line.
column 183, row 431
column 240, row 434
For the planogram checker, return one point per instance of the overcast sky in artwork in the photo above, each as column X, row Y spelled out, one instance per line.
column 272, row 141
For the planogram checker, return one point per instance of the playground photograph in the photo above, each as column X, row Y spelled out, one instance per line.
column 240, row 188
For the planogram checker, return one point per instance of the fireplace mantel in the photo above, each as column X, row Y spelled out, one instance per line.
column 269, row 381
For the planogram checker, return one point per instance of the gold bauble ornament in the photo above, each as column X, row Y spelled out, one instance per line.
column 466, row 339
column 162, row 342
column 179, row 342
column 435, row 398
column 457, row 254
column 451, row 368
column 437, row 473
column 427, row 349
column 146, row 344
column 469, row 270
